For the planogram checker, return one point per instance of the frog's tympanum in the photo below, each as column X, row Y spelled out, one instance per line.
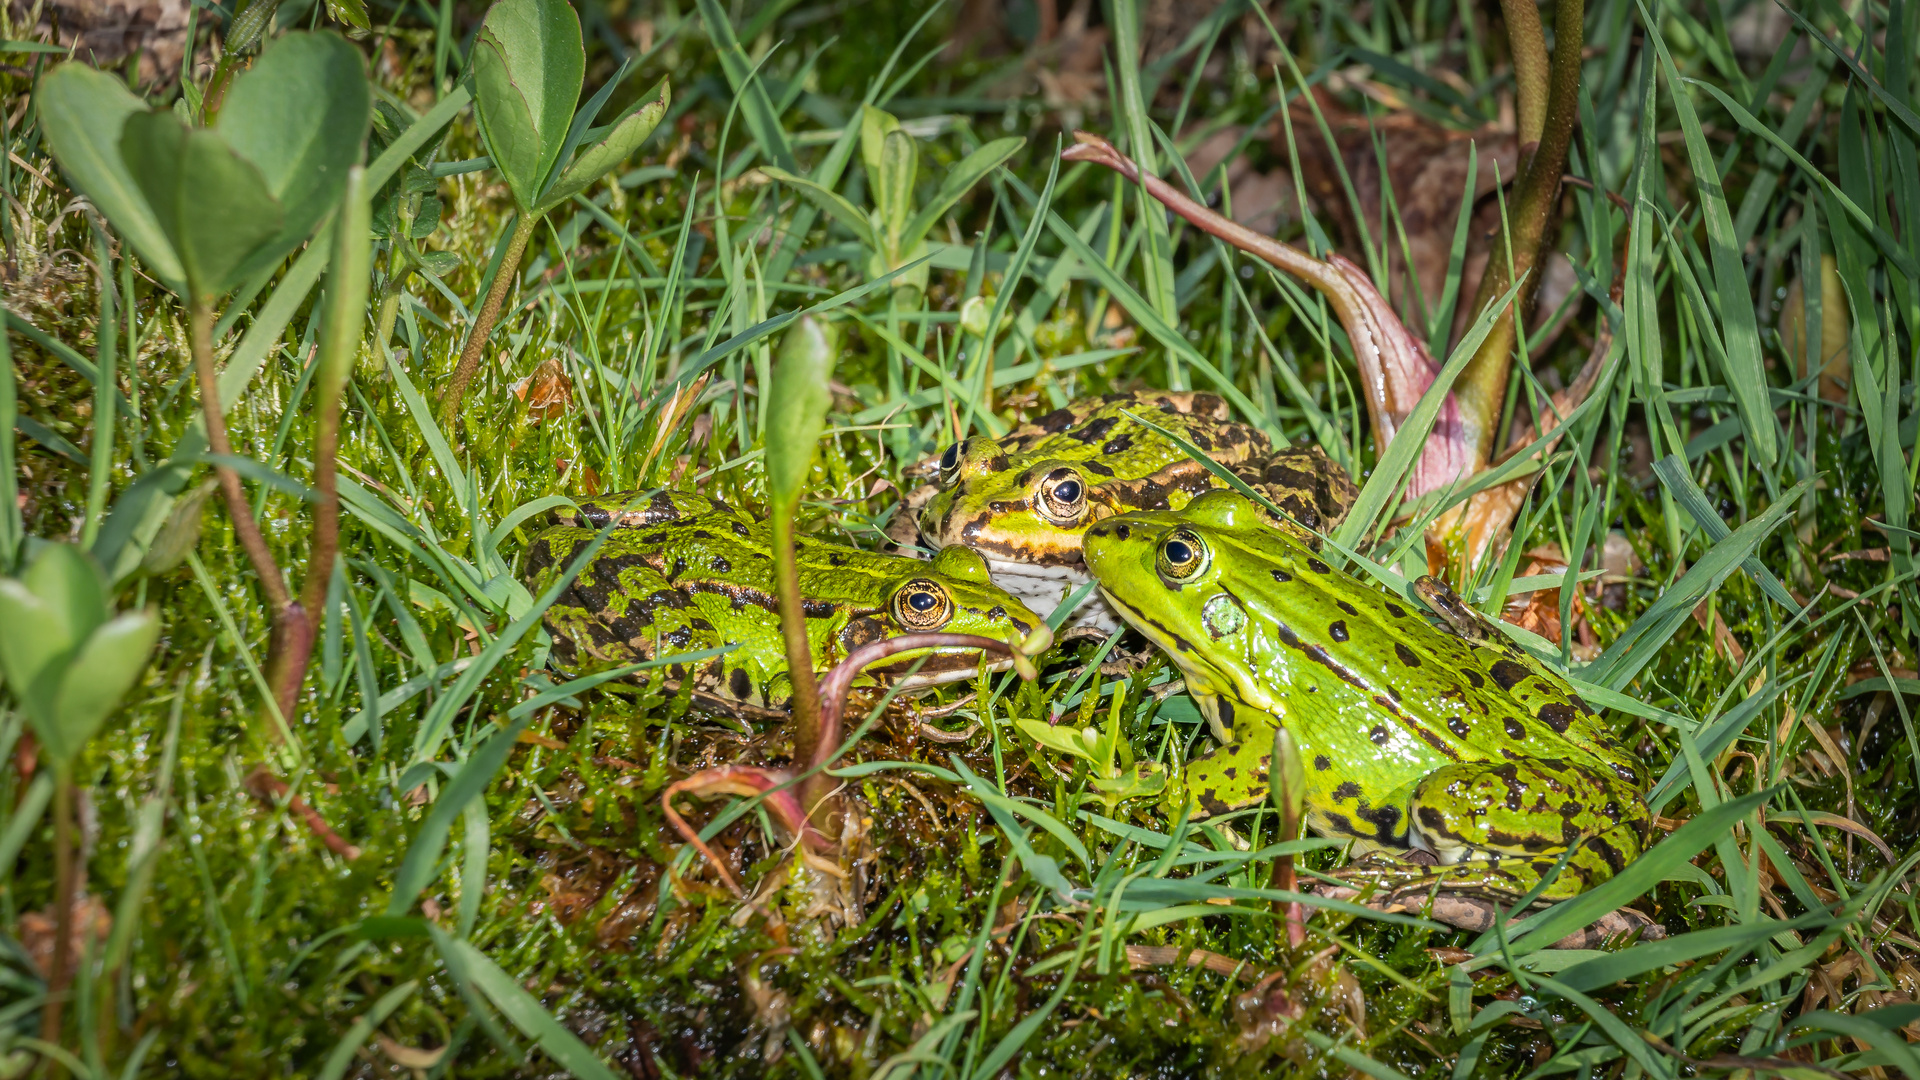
column 1025, row 500
column 1414, row 739
column 685, row 572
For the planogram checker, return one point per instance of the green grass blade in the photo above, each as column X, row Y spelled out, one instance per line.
column 1631, row 652
column 1746, row 374
column 1680, row 483
column 363, row 1028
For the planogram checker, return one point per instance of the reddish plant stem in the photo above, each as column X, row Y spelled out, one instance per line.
column 483, row 321
column 60, row 975
column 1394, row 365
column 805, row 807
column 816, row 789
column 270, row 789
column 292, row 640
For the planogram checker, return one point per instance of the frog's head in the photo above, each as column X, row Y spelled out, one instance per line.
column 1013, row 506
column 1199, row 583
column 1027, row 499
column 955, row 595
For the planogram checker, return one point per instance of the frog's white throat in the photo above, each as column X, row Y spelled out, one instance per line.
column 1042, row 588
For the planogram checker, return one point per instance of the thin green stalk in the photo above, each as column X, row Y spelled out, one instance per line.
column 105, row 394
column 11, row 528
column 793, row 628
column 484, row 319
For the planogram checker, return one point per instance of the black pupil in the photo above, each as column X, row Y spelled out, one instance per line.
column 923, row 601
column 1178, row 552
column 951, row 457
column 1068, row 491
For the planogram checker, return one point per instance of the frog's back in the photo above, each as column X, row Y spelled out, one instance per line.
column 1455, row 700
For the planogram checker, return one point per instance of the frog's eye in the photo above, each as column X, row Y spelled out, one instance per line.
column 1063, row 497
column 949, row 461
column 922, row 605
column 1183, row 557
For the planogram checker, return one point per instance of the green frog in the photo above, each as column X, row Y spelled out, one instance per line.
column 1025, row 500
column 1433, row 745
column 685, row 572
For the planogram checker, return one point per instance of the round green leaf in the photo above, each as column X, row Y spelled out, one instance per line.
column 82, row 112
column 98, row 677
column 528, row 67
column 214, row 206
column 299, row 115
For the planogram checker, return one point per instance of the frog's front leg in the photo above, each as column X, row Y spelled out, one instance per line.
column 1233, row 775
column 1498, row 828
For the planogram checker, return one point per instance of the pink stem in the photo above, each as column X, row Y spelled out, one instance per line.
column 839, row 682
column 1394, row 365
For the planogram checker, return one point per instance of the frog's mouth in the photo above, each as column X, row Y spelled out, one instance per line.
column 942, row 666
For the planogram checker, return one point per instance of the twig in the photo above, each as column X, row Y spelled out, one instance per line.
column 262, row 784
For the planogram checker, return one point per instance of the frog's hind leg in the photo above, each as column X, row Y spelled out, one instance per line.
column 1498, row 828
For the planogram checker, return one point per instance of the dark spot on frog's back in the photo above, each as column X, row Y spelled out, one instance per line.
column 1338, row 630
column 1348, row 790
column 1379, row 734
column 1281, row 576
column 1396, row 610
column 1507, row 673
column 1095, row 431
column 1118, row 444
column 1346, row 607
column 739, row 685
column 1096, row 468
column 1406, row 655
column 1321, row 763
column 740, row 529
column 1055, row 422
column 719, row 564
column 679, row 638
column 1515, row 730
column 836, row 559
column 1319, row 567
column 1459, row 727
column 1558, row 715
